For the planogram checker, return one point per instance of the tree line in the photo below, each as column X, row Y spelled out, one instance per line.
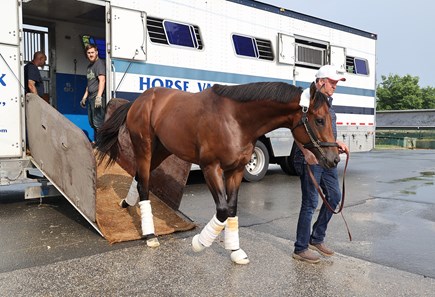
column 399, row 93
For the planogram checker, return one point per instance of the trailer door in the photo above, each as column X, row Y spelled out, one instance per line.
column 286, row 49
column 338, row 57
column 128, row 34
column 11, row 110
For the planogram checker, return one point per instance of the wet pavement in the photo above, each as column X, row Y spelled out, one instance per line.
column 47, row 249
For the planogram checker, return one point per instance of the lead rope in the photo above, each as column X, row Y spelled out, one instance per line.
column 343, row 194
column 313, row 141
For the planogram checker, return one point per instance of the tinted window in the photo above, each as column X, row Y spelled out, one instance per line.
column 361, row 66
column 173, row 33
column 253, row 47
column 180, row 34
column 357, row 65
column 245, row 46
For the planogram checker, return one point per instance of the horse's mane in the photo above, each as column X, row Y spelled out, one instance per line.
column 277, row 91
column 319, row 97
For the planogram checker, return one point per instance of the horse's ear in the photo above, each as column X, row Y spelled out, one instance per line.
column 313, row 90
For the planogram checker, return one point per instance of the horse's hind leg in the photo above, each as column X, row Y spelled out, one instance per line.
column 231, row 233
column 143, row 151
column 132, row 197
column 135, row 193
column 213, row 177
column 148, row 161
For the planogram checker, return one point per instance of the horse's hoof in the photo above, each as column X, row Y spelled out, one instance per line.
column 153, row 242
column 123, row 203
column 239, row 257
column 196, row 245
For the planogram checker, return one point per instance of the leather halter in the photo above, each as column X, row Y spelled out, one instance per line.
column 314, row 141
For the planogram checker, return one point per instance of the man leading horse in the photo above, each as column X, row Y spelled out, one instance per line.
column 307, row 239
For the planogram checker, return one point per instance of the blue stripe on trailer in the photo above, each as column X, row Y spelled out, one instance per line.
column 224, row 77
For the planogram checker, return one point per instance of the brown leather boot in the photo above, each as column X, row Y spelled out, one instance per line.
column 322, row 249
column 307, row 256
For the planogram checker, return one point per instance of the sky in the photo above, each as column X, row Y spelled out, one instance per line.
column 405, row 29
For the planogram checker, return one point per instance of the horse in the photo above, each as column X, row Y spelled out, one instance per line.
column 217, row 129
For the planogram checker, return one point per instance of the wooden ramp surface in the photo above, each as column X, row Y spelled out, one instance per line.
column 118, row 224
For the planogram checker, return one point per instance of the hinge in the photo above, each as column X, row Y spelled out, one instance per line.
column 108, row 17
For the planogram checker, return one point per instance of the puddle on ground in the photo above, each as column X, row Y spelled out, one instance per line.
column 398, row 233
column 418, row 188
column 428, row 176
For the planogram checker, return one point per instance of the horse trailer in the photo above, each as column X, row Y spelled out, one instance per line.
column 187, row 45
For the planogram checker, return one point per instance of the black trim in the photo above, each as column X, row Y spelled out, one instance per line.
column 354, row 110
column 127, row 95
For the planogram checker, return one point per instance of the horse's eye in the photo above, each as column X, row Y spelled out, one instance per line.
column 320, row 122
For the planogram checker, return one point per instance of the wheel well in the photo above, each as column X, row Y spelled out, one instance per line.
column 266, row 142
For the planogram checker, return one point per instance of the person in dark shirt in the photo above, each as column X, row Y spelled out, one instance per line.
column 32, row 77
column 95, row 95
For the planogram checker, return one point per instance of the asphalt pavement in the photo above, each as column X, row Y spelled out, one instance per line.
column 47, row 249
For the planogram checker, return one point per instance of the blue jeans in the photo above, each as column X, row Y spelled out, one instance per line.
column 328, row 181
column 95, row 115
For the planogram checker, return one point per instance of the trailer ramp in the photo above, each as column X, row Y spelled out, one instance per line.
column 63, row 153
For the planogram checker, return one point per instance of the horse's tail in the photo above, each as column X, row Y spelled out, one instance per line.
column 107, row 135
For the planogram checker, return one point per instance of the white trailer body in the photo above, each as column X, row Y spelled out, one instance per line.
column 188, row 45
column 293, row 46
column 13, row 159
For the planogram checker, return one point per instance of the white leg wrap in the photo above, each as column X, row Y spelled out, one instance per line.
column 132, row 196
column 232, row 234
column 146, row 217
column 239, row 257
column 211, row 231
column 196, row 245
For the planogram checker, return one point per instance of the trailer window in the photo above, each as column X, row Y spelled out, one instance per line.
column 173, row 33
column 310, row 53
column 253, row 47
column 35, row 39
column 357, row 65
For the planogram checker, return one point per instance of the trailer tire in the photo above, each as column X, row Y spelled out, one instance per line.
column 257, row 167
column 287, row 164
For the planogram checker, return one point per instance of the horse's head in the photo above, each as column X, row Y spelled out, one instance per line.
column 314, row 129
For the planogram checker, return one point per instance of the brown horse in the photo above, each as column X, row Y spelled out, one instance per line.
column 216, row 129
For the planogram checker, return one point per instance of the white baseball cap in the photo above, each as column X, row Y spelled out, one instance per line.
column 329, row 71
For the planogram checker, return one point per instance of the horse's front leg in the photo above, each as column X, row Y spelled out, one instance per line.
column 214, row 180
column 231, row 239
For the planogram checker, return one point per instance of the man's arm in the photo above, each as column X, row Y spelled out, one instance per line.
column 32, row 86
column 85, row 96
column 101, row 85
column 342, row 147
